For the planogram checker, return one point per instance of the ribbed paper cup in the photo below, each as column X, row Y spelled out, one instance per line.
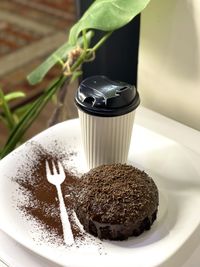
column 106, row 111
column 106, row 140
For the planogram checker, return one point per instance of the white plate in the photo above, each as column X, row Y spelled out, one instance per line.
column 172, row 237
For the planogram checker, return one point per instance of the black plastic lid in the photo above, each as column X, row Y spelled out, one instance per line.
column 100, row 96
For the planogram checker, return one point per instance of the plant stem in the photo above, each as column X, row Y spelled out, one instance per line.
column 59, row 110
column 79, row 62
column 82, row 57
column 101, row 41
column 28, row 118
column 7, row 111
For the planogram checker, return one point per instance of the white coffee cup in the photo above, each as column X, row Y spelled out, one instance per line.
column 106, row 111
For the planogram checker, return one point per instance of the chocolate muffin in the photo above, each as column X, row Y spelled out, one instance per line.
column 116, row 201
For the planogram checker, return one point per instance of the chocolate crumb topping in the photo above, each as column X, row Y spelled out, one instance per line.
column 116, row 194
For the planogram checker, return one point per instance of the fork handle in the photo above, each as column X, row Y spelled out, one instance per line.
column 67, row 231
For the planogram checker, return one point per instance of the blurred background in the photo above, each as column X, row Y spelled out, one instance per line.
column 29, row 32
column 169, row 60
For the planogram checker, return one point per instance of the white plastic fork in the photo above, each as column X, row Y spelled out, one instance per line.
column 57, row 178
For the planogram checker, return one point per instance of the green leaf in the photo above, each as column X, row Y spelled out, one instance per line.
column 39, row 73
column 14, row 95
column 60, row 54
column 30, row 115
column 107, row 15
column 6, row 111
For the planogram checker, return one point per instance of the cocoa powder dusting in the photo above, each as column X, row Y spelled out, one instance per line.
column 43, row 204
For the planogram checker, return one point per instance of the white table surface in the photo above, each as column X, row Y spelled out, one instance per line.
column 17, row 256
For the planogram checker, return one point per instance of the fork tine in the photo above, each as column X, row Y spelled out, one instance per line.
column 48, row 172
column 60, row 168
column 54, row 167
